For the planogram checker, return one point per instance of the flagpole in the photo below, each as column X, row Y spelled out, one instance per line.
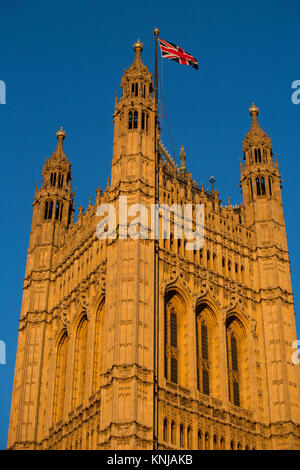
column 156, row 256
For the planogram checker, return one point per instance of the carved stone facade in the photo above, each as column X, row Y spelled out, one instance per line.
column 86, row 375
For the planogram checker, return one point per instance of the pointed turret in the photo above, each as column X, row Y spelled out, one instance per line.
column 259, row 175
column 182, row 159
column 257, row 145
column 134, row 116
column 53, row 200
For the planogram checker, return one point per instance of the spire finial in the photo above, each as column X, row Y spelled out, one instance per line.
column 212, row 181
column 254, row 110
column 61, row 134
column 182, row 158
column 138, row 47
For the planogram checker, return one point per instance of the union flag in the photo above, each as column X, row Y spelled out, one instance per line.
column 173, row 52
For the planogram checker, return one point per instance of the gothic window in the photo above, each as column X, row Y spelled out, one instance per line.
column 229, row 266
column 224, row 266
column 243, row 273
column 58, row 211
column 215, row 441
column 208, row 259
column 70, row 212
column 144, row 91
column 99, row 326
column 200, row 440
column 176, row 371
column 80, row 363
column 214, row 262
column 166, row 430
column 260, row 186
column 60, row 378
column 143, row 120
column 222, row 443
column 60, row 180
column 53, row 179
column 189, row 438
column 207, row 441
column 134, row 89
column 257, row 155
column 270, row 186
column 205, row 336
column 135, row 120
column 251, row 189
column 173, row 432
column 130, row 120
column 48, row 210
column 235, row 357
column 181, row 435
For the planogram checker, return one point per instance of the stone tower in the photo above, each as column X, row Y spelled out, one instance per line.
column 102, row 363
column 261, row 188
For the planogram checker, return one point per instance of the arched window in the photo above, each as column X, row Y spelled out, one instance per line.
column 270, row 186
column 48, row 210
column 53, row 179
column 135, row 120
column 173, row 433
column 60, row 180
column 182, row 443
column 251, row 189
column 215, row 441
column 223, row 266
column 80, row 363
column 207, row 441
column 206, row 337
column 236, row 356
column 130, row 120
column 222, row 443
column 176, row 356
column 243, row 274
column 260, row 186
column 214, row 262
column 60, row 378
column 58, row 211
column 200, row 440
column 208, row 258
column 134, row 89
column 143, row 120
column 166, row 430
column 189, row 438
column 229, row 266
column 257, row 155
column 99, row 327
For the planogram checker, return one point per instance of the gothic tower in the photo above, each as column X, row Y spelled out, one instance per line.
column 130, row 343
column 127, row 421
column 261, row 188
column 52, row 214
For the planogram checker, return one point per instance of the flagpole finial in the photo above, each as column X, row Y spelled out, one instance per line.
column 156, row 32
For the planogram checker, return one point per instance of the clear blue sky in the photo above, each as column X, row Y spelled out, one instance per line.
column 62, row 62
